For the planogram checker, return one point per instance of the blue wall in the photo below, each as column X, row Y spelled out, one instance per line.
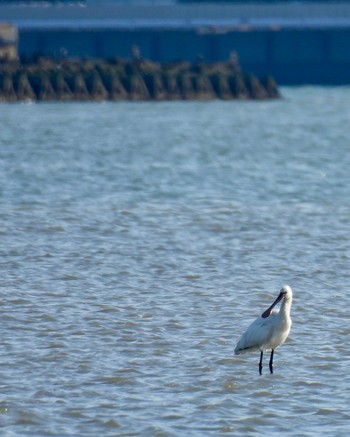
column 295, row 56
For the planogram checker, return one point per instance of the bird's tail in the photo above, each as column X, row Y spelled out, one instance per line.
column 238, row 350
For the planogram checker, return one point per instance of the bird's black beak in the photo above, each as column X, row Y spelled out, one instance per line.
column 266, row 313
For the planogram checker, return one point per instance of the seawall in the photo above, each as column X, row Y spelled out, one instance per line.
column 45, row 79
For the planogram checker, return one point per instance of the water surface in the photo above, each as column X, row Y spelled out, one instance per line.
column 139, row 240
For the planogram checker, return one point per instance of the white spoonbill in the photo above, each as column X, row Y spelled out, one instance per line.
column 270, row 330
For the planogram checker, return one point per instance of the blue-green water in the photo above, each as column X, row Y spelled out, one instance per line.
column 139, row 240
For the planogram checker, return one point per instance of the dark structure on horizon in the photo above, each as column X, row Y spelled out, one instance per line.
column 45, row 79
column 295, row 42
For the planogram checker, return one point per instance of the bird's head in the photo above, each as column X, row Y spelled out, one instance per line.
column 285, row 293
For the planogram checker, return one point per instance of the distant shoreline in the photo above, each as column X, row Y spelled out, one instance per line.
column 46, row 79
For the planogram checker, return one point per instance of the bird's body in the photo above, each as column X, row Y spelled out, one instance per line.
column 270, row 330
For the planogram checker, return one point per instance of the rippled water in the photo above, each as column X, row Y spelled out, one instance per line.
column 139, row 240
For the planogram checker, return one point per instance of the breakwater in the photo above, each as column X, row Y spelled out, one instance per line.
column 47, row 79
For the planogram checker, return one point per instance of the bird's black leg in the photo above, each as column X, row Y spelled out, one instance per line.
column 260, row 363
column 271, row 361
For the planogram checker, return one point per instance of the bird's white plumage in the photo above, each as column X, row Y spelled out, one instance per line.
column 268, row 332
